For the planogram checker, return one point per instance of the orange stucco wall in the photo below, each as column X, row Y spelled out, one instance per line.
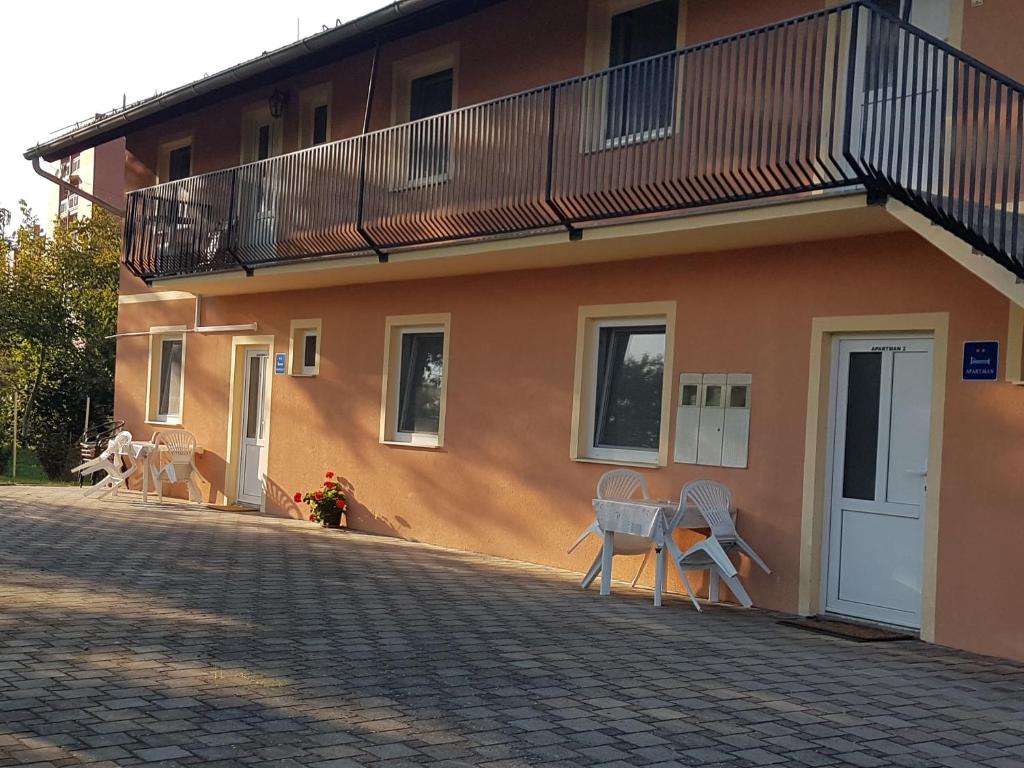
column 504, row 483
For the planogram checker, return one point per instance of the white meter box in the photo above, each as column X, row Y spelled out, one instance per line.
column 713, row 419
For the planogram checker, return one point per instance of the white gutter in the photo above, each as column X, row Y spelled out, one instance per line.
column 197, row 327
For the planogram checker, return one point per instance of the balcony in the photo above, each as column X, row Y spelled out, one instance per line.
column 842, row 97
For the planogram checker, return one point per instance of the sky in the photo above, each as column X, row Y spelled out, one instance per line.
column 64, row 61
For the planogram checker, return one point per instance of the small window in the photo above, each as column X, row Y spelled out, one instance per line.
column 320, row 124
column 179, row 163
column 167, row 368
column 305, row 347
column 76, row 163
column 414, row 396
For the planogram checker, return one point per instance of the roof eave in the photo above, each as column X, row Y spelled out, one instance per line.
column 271, row 66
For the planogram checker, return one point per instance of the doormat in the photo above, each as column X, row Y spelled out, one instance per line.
column 859, row 633
column 231, row 508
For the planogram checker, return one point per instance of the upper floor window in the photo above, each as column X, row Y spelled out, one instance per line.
column 641, row 97
column 315, row 116
column 175, row 160
column 261, row 135
column 430, row 95
column 179, row 163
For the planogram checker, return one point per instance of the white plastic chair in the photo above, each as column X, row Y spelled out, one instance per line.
column 713, row 501
column 180, row 466
column 618, row 484
column 110, row 462
column 622, row 484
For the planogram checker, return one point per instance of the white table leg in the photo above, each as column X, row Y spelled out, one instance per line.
column 659, row 576
column 145, row 479
column 713, row 582
column 607, row 553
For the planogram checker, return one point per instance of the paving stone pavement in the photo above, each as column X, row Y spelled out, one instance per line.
column 180, row 636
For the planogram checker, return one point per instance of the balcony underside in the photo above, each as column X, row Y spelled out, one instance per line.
column 825, row 217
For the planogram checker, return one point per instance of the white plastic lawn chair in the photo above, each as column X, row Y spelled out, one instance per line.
column 620, row 485
column 178, row 447
column 714, row 502
column 112, row 463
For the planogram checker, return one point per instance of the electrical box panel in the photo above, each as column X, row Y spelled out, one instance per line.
column 713, row 419
column 688, row 418
column 736, row 433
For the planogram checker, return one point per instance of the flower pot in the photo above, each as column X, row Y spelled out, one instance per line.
column 331, row 518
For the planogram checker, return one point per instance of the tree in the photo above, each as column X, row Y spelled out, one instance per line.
column 58, row 303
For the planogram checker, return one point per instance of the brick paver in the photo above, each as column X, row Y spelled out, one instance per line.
column 177, row 636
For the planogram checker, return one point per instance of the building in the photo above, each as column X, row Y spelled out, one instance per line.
column 469, row 254
column 97, row 170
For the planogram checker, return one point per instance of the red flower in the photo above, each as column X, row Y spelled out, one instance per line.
column 328, row 484
column 298, row 496
column 318, row 495
column 329, row 475
column 340, row 504
column 312, row 517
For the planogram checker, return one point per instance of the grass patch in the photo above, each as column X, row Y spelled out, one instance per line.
column 30, row 472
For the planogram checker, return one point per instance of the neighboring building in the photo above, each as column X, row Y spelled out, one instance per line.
column 96, row 170
column 670, row 235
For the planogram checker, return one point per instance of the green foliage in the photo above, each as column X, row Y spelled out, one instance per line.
column 58, row 303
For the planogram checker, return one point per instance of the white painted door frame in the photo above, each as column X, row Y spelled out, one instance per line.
column 252, row 436
column 904, row 516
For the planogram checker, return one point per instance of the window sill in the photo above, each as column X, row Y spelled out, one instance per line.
column 409, row 444
column 419, row 183
column 165, row 423
column 619, row 462
column 304, row 375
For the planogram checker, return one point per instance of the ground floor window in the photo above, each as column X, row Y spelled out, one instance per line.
column 623, row 383
column 415, row 379
column 304, row 347
column 167, row 377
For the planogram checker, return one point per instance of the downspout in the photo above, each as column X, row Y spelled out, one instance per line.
column 370, row 88
column 72, row 189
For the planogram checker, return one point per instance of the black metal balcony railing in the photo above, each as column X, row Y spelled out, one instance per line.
column 845, row 96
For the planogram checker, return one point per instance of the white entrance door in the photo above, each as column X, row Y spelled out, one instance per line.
column 253, row 441
column 881, row 412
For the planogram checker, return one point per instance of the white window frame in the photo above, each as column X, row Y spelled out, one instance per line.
column 590, row 322
column 396, row 327
column 300, row 330
column 158, row 335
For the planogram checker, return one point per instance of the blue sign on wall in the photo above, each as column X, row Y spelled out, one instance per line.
column 981, row 360
column 280, row 362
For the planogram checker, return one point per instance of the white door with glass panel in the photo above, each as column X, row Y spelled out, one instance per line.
column 881, row 412
column 253, row 434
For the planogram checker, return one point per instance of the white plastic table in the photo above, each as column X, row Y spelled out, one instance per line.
column 141, row 454
column 649, row 518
